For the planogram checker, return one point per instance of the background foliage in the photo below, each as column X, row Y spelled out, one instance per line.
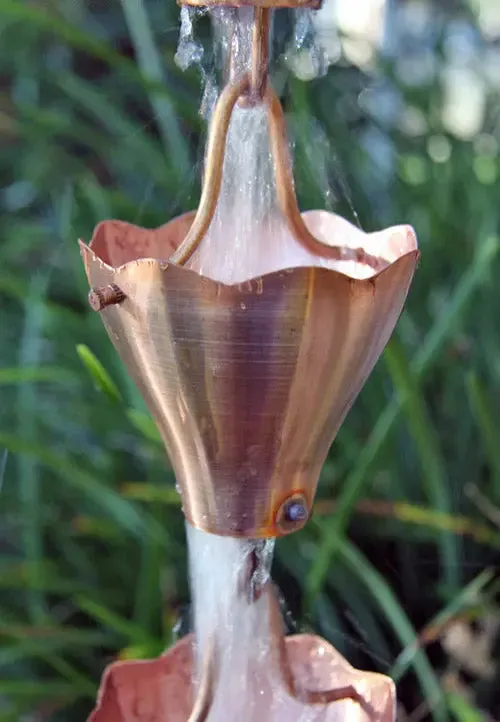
column 398, row 567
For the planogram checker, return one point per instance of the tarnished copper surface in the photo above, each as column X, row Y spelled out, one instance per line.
column 249, row 383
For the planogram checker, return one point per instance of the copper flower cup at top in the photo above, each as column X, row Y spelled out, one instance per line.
column 248, row 383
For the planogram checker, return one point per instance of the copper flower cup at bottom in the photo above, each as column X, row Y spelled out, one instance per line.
column 248, row 383
column 161, row 690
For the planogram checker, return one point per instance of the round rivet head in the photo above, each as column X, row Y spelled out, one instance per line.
column 99, row 298
column 295, row 511
column 292, row 514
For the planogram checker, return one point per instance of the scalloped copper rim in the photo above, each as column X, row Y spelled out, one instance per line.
column 165, row 266
column 117, row 242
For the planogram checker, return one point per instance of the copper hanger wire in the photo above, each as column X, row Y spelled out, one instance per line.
column 209, row 671
column 252, row 88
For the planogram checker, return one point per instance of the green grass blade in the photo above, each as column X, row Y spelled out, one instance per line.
column 150, row 63
column 29, row 477
column 147, row 605
column 467, row 597
column 122, row 511
column 13, row 287
column 33, row 649
column 52, row 23
column 483, row 413
column 142, row 152
column 83, row 686
column 132, row 632
column 151, row 493
column 396, row 617
column 61, row 638
column 451, row 314
column 433, row 521
column 102, row 380
column 36, row 374
column 432, row 465
column 3, row 466
column 462, row 710
column 17, row 576
column 145, row 425
column 48, row 689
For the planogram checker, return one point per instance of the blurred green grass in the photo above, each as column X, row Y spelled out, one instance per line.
column 97, row 121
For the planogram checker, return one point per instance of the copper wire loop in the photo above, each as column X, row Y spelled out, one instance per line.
column 249, row 90
column 213, row 169
column 283, row 175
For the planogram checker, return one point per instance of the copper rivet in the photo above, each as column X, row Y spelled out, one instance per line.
column 99, row 298
column 292, row 514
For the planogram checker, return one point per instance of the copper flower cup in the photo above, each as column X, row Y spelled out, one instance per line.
column 248, row 383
